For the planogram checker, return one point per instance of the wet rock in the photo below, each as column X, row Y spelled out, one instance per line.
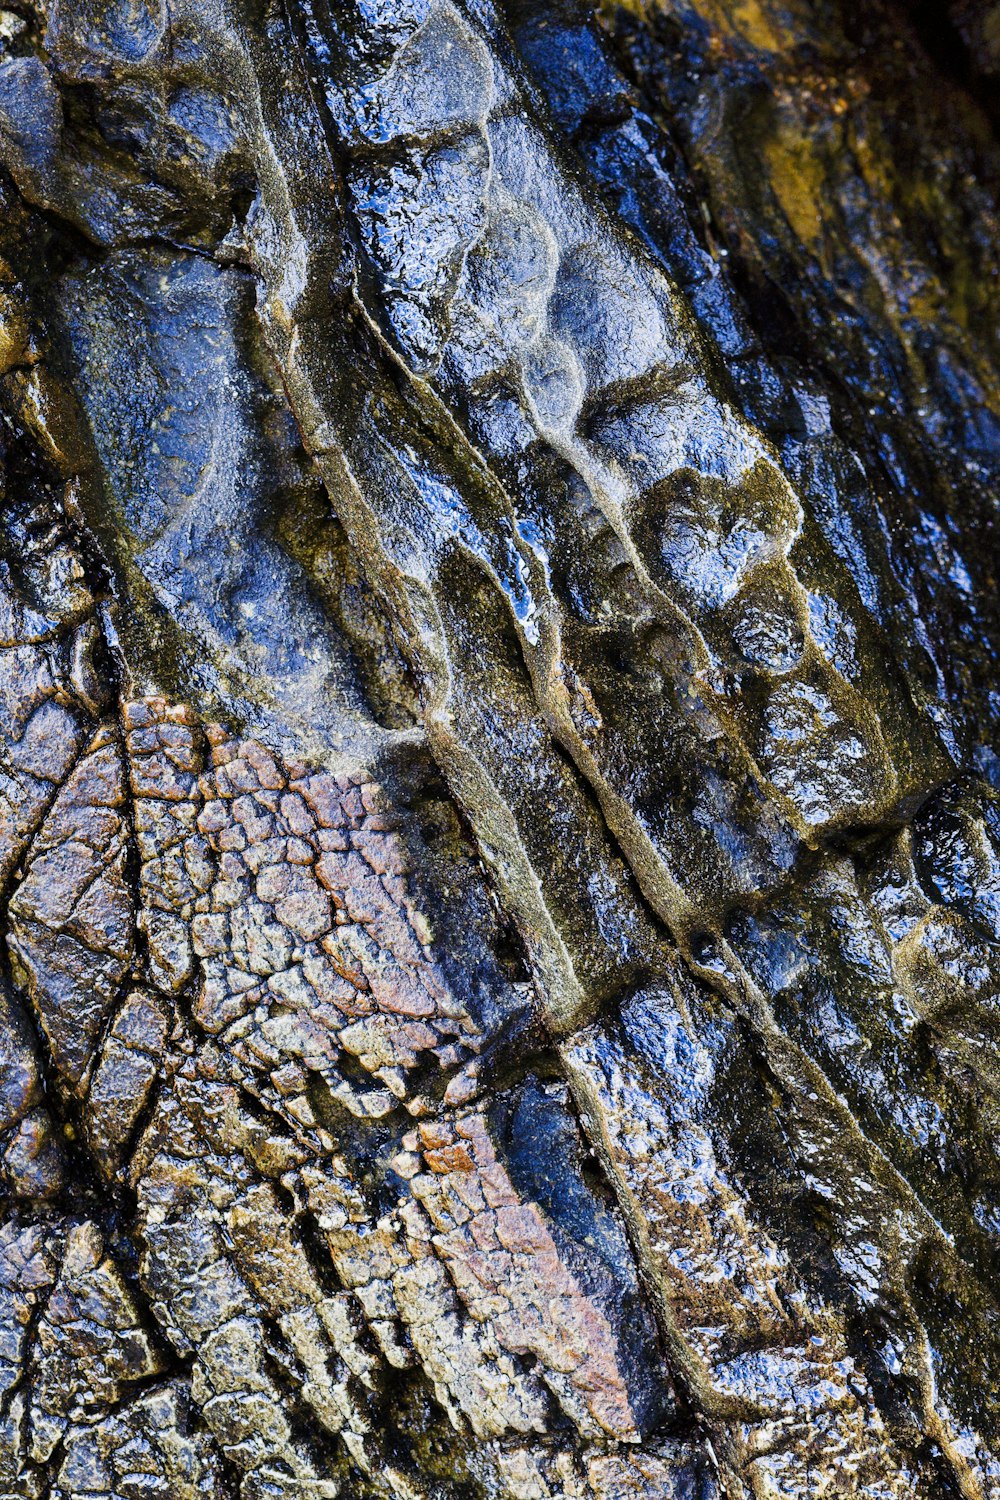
column 499, row 839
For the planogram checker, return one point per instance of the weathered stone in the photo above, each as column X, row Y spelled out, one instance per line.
column 499, row 833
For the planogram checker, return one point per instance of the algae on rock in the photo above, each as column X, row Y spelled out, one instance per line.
column 499, row 760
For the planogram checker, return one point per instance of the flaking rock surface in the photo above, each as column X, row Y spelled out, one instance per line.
column 499, row 765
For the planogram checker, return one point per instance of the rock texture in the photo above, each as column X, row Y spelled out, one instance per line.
column 499, row 764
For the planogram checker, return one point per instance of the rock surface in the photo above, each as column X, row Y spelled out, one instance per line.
column 499, row 762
